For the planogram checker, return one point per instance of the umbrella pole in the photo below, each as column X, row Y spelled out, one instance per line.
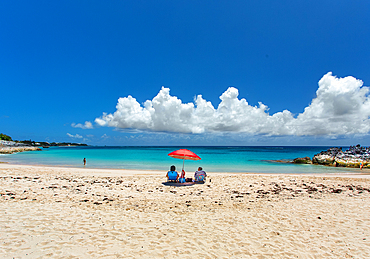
column 183, row 163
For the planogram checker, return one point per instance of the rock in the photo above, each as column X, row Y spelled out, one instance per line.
column 323, row 159
column 302, row 160
column 353, row 157
column 11, row 150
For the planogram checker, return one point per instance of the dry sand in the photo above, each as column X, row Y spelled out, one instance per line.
column 51, row 212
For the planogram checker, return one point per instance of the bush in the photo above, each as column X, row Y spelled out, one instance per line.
column 5, row 137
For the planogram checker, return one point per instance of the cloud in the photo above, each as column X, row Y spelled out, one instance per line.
column 341, row 107
column 105, row 136
column 74, row 136
column 87, row 125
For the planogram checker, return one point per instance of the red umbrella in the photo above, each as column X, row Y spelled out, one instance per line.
column 184, row 154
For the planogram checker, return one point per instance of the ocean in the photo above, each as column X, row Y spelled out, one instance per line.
column 257, row 159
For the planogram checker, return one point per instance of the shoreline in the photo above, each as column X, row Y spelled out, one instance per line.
column 95, row 162
column 364, row 173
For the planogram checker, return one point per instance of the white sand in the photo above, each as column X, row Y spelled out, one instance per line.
column 50, row 212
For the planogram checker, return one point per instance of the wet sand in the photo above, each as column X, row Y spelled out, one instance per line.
column 51, row 212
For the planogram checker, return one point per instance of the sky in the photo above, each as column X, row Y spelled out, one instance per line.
column 214, row 73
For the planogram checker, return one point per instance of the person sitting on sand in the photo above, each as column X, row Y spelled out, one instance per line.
column 172, row 175
column 200, row 175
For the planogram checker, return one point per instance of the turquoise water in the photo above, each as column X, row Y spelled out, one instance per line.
column 214, row 159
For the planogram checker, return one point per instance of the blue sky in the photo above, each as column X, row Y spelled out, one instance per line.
column 66, row 63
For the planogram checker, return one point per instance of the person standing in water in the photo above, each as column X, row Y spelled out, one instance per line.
column 84, row 161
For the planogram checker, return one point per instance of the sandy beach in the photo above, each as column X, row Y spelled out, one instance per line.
column 51, row 212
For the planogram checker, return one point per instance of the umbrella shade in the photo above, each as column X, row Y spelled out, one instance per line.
column 184, row 154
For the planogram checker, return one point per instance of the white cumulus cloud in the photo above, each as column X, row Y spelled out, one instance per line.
column 74, row 136
column 341, row 106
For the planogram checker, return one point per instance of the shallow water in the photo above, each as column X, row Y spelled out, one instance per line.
column 214, row 159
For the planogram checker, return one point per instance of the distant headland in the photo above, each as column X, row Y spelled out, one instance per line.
column 9, row 146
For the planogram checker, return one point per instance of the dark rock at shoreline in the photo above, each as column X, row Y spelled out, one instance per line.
column 302, row 160
column 284, row 161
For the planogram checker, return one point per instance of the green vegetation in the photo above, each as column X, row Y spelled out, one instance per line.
column 5, row 137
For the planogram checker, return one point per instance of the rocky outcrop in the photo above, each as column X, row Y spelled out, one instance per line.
column 353, row 157
column 11, row 150
column 302, row 160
